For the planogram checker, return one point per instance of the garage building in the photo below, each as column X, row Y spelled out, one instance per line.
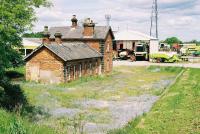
column 135, row 43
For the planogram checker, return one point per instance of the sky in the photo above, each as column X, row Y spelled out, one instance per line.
column 180, row 18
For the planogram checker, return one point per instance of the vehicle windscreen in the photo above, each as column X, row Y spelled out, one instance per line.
column 140, row 49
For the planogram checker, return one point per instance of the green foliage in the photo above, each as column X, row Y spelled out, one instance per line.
column 33, row 35
column 194, row 41
column 172, row 40
column 176, row 112
column 16, row 127
column 16, row 17
column 12, row 124
column 16, row 73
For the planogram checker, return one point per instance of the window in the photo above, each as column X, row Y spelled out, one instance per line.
column 68, row 72
column 121, row 46
column 80, row 70
column 133, row 46
column 96, row 66
column 90, row 66
column 140, row 48
column 74, row 72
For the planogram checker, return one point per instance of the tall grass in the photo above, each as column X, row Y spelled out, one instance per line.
column 13, row 124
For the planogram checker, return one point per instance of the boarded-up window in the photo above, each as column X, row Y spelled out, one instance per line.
column 80, row 70
column 90, row 67
column 96, row 67
column 68, row 73
column 74, row 72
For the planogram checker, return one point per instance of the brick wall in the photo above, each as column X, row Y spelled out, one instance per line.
column 45, row 67
column 88, row 31
column 108, row 54
column 82, row 68
column 106, row 49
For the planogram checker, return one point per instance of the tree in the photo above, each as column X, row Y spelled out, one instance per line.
column 172, row 40
column 33, row 35
column 16, row 17
column 194, row 41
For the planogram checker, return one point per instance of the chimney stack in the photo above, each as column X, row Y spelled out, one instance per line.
column 88, row 28
column 58, row 37
column 46, row 36
column 74, row 21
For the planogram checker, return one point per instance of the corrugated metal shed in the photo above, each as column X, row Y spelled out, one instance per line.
column 132, row 36
column 31, row 43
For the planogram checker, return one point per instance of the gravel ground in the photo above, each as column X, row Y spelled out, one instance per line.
column 145, row 63
column 121, row 112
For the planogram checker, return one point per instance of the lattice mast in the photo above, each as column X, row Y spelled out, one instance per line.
column 108, row 18
column 154, row 20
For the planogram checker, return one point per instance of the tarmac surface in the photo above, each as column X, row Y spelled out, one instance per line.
column 146, row 63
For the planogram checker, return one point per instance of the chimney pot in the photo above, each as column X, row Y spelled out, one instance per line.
column 74, row 21
column 88, row 28
column 46, row 35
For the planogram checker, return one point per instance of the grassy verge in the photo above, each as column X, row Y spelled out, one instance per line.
column 12, row 124
column 176, row 112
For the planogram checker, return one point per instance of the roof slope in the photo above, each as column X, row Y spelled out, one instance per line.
column 69, row 51
column 132, row 35
column 100, row 32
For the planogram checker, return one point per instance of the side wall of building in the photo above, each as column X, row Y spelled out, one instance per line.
column 106, row 49
column 45, row 67
column 82, row 68
column 108, row 54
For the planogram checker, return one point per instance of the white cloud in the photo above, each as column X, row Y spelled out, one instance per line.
column 176, row 17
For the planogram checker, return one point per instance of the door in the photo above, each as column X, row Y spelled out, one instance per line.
column 35, row 72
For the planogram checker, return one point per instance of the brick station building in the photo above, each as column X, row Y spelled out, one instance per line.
column 70, row 52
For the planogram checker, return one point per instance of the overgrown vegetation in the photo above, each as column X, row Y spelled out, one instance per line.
column 124, row 82
column 176, row 112
column 40, row 99
column 13, row 124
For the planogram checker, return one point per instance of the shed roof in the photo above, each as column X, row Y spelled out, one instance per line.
column 31, row 42
column 69, row 51
column 129, row 35
column 100, row 32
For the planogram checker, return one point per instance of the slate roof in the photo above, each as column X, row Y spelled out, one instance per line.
column 100, row 32
column 69, row 51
